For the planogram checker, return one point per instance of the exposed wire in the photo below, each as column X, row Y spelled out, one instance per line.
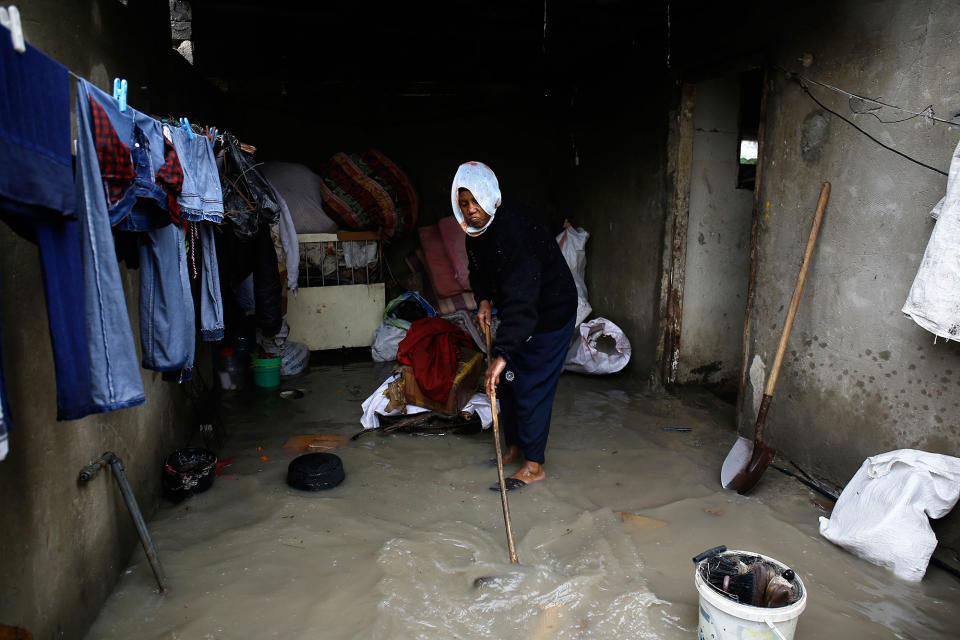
column 806, row 89
column 870, row 112
column 926, row 113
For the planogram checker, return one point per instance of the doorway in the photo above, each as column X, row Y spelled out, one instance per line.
column 713, row 200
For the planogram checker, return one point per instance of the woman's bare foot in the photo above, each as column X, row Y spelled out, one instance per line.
column 512, row 454
column 530, row 472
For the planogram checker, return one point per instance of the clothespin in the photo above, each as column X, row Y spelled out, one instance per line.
column 185, row 123
column 120, row 92
column 10, row 18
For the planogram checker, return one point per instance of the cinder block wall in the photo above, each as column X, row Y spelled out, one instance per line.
column 63, row 545
column 859, row 378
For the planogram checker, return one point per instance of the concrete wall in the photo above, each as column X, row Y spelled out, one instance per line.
column 859, row 378
column 63, row 545
column 718, row 242
column 618, row 193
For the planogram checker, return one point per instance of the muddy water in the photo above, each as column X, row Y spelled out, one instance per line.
column 396, row 550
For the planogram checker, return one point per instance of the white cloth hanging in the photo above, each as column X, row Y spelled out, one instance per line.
column 934, row 299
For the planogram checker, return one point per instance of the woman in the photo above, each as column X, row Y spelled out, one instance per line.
column 516, row 266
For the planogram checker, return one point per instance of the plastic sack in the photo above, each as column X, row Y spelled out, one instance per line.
column 389, row 315
column 934, row 298
column 598, row 347
column 386, row 340
column 882, row 514
column 572, row 241
column 294, row 358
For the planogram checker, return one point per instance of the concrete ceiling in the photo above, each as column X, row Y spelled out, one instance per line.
column 423, row 47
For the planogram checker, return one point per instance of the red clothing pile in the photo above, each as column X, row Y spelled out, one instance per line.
column 432, row 348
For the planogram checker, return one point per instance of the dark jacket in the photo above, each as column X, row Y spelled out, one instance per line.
column 517, row 265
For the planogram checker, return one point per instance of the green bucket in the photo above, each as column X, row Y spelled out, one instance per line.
column 266, row 372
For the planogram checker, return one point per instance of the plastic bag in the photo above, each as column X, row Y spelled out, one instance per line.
column 390, row 317
column 598, row 347
column 881, row 515
column 386, row 341
column 572, row 241
column 934, row 298
column 294, row 358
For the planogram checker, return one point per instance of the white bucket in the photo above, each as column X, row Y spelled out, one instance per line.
column 724, row 619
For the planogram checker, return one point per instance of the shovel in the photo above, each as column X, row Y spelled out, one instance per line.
column 747, row 460
column 511, row 547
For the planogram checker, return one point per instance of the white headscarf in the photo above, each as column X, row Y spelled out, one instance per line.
column 482, row 183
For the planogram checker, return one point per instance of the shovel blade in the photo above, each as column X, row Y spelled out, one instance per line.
column 748, row 479
column 736, row 461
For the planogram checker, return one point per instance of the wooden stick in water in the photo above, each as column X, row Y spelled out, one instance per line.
column 511, row 547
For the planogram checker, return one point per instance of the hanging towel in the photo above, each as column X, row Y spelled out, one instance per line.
column 934, row 299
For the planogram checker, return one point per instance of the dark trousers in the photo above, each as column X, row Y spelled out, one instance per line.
column 526, row 402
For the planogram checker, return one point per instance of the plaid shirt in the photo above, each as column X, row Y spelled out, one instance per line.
column 170, row 177
column 116, row 167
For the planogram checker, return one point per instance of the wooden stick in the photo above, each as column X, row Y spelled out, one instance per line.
column 511, row 547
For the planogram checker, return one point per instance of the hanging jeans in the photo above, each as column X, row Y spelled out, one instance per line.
column 211, row 302
column 37, row 198
column 115, row 381
column 167, row 326
column 200, row 197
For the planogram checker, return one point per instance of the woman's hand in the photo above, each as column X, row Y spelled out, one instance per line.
column 484, row 314
column 492, row 378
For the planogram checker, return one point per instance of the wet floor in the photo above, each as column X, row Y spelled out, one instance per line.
column 395, row 551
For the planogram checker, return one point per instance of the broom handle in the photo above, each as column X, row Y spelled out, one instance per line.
column 511, row 547
column 798, row 289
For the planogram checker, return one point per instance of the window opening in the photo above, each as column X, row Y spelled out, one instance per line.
column 750, row 95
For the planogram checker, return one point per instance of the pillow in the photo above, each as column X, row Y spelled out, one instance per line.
column 453, row 240
column 438, row 264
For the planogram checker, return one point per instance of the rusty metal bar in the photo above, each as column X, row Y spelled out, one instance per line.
column 90, row 471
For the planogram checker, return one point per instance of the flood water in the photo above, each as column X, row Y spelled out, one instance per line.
column 395, row 551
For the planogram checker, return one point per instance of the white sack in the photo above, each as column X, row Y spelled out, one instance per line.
column 584, row 357
column 294, row 359
column 300, row 187
column 572, row 241
column 375, row 406
column 882, row 514
column 386, row 341
column 934, row 298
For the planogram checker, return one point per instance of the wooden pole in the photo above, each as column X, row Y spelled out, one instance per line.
column 511, row 547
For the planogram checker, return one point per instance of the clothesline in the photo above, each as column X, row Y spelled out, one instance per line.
column 244, row 146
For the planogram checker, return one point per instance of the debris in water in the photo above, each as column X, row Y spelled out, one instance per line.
column 640, row 522
column 291, row 394
column 315, row 442
column 678, row 429
column 824, row 504
column 483, row 581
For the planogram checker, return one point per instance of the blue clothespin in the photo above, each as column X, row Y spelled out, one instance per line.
column 185, row 123
column 120, row 92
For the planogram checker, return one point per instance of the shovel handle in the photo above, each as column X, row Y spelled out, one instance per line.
column 798, row 289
